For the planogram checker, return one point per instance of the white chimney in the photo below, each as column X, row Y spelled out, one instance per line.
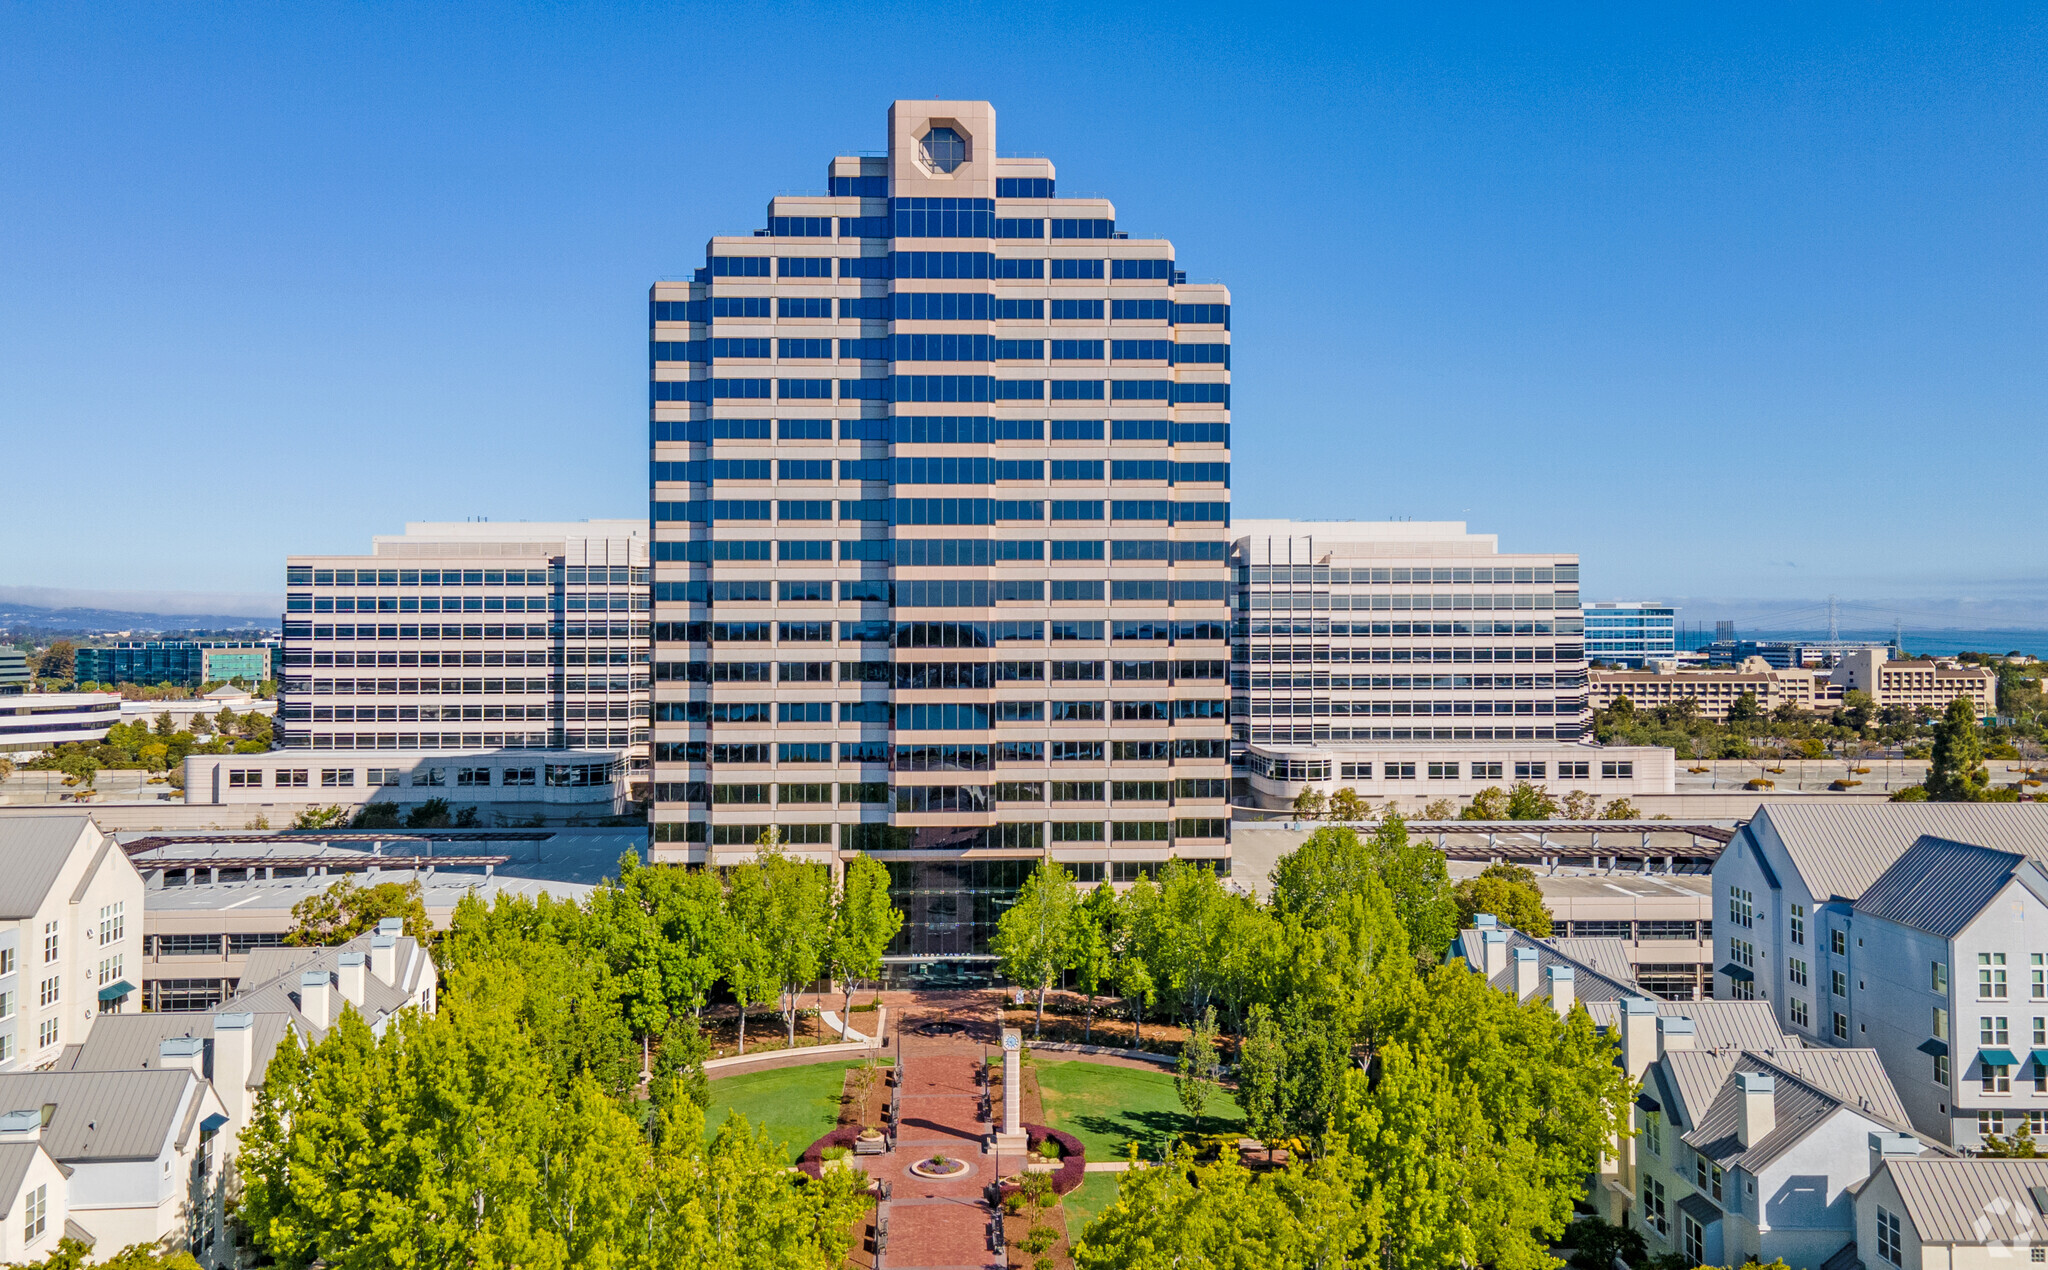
column 1759, row 1111
column 187, row 1052
column 1638, row 1035
column 1563, row 988
column 384, row 959
column 1891, row 1146
column 234, row 1055
column 21, row 1126
column 1525, row 973
column 1493, row 954
column 1675, row 1032
column 392, row 926
column 313, row 997
column 351, row 976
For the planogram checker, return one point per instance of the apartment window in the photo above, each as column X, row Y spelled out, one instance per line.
column 1741, row 907
column 337, row 777
column 1940, row 1024
column 1992, row 1030
column 1937, row 976
column 1990, row 1122
column 1991, row 976
column 1838, row 942
column 49, row 942
column 49, row 991
column 1888, row 1246
column 1941, row 1070
column 36, row 1214
column 1695, row 1239
column 1838, row 981
column 1798, row 931
column 1795, row 970
column 110, row 969
column 1841, row 1026
column 113, row 922
column 1997, row 1078
column 1707, row 1176
column 46, row 1033
column 2040, row 1075
column 1655, row 1215
column 2038, row 985
column 1800, row 1015
column 1743, row 952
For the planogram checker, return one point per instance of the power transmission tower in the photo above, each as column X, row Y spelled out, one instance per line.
column 1834, row 621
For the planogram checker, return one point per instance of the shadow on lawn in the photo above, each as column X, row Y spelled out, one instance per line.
column 1144, row 1127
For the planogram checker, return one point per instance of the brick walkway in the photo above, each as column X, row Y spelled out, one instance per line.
column 944, row 1224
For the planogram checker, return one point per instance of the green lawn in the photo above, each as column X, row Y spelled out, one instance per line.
column 798, row 1105
column 1111, row 1108
column 1096, row 1192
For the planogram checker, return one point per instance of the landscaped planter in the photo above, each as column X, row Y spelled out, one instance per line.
column 1067, row 1171
column 813, row 1157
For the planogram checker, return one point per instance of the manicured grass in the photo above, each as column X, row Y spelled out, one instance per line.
column 797, row 1105
column 1112, row 1108
column 1096, row 1192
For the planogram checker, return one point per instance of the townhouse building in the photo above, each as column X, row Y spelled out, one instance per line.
column 70, row 934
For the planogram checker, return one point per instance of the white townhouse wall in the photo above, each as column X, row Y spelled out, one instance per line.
column 1930, row 1213
column 143, row 1149
column 1949, row 985
column 32, row 1185
column 70, row 934
column 1785, row 886
column 1757, row 1155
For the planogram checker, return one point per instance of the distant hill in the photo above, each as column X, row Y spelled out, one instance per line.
column 18, row 619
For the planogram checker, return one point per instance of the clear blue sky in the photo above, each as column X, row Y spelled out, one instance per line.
column 1740, row 301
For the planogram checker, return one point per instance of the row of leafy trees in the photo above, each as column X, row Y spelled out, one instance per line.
column 161, row 748
column 513, row 1127
column 1431, row 1119
column 1523, row 801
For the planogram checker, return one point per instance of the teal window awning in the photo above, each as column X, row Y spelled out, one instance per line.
column 1997, row 1058
column 115, row 991
column 1737, row 973
column 2040, row 1059
column 1938, row 1049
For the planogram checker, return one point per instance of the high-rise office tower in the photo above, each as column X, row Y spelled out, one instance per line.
column 471, row 636
column 940, row 485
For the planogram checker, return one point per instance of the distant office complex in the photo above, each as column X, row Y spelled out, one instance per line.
column 1630, row 632
column 186, row 662
column 473, row 636
column 1412, row 661
column 14, row 672
column 1907, row 685
column 39, row 720
column 941, row 492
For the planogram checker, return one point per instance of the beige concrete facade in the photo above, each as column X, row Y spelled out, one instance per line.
column 1921, row 684
column 1810, row 691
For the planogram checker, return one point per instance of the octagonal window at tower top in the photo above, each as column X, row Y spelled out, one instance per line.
column 944, row 149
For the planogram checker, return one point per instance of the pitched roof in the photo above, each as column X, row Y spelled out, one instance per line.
column 1810, row 1087
column 133, row 1042
column 15, row 1159
column 36, row 849
column 1938, row 886
column 1947, row 1199
column 127, row 1115
column 270, row 982
column 1841, row 848
column 1605, row 954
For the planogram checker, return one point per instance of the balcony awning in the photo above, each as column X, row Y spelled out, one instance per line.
column 1939, row 1049
column 1737, row 973
column 115, row 991
column 1997, row 1058
column 213, row 1122
column 2040, row 1058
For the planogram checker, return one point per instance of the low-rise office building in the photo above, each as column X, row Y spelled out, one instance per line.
column 14, row 673
column 1659, row 925
column 508, row 784
column 39, row 720
column 1630, row 632
column 70, row 934
column 186, row 662
column 1715, row 692
column 1920, row 684
column 1411, row 775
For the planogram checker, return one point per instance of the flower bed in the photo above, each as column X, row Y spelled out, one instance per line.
column 1073, row 1159
column 813, row 1160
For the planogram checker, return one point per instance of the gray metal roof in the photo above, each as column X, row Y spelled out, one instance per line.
column 1940, row 886
column 1845, row 1258
column 1948, row 1198
column 132, row 1042
column 1701, row 1209
column 126, row 1115
column 270, row 982
column 1841, row 848
column 1722, row 1025
column 15, row 1159
column 1810, row 1087
column 35, row 849
column 1605, row 954
column 1799, row 1107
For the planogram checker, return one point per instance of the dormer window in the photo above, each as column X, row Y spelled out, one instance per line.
column 944, row 149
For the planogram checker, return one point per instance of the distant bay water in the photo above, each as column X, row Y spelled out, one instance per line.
column 2032, row 641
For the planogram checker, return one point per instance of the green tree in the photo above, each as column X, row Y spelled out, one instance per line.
column 1346, row 804
column 321, row 817
column 1531, row 802
column 1745, row 709
column 749, row 967
column 863, row 924
column 1096, row 952
column 678, row 1075
column 1194, row 1078
column 59, row 661
column 72, row 1254
column 1490, row 803
column 1509, row 892
column 1261, row 1076
column 2019, row 1146
column 1956, row 774
column 1619, row 809
column 1580, row 805
column 1219, row 1217
column 1035, row 938
column 431, row 814
column 1309, row 804
column 346, row 909
column 1420, row 885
